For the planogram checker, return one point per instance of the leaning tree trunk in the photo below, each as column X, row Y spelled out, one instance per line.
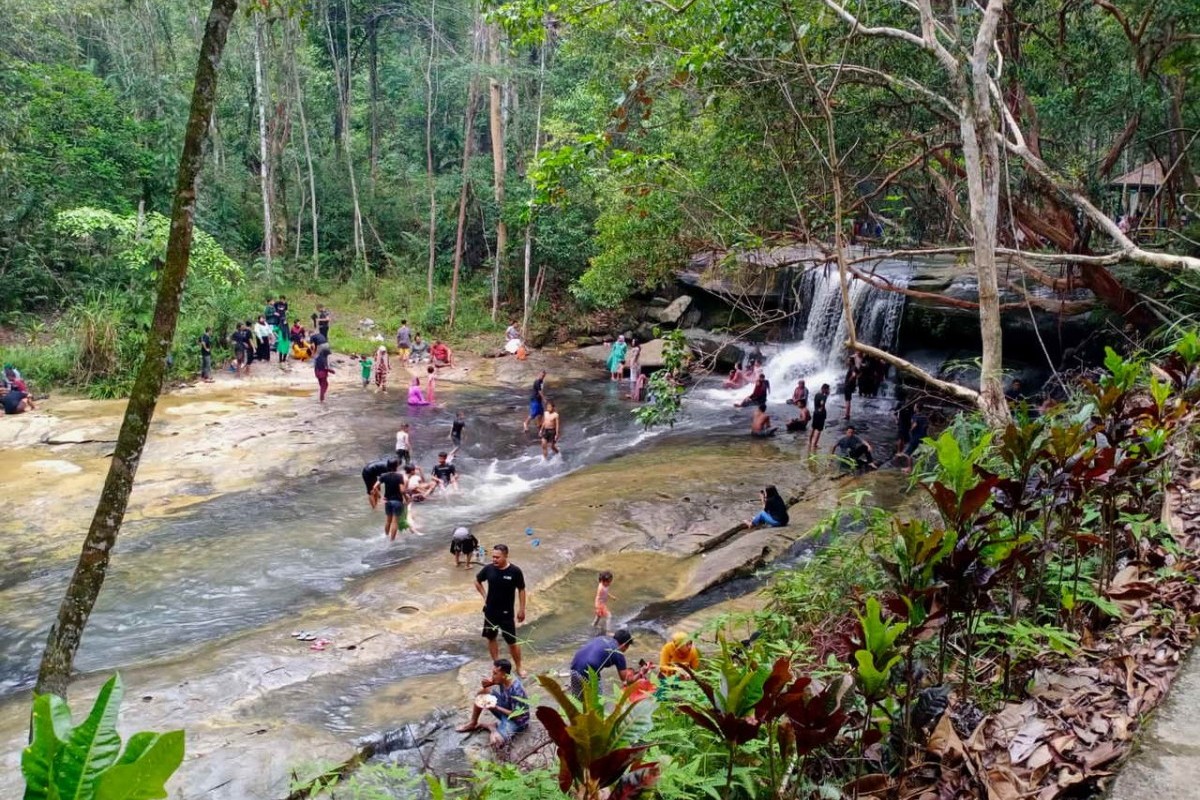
column 54, row 673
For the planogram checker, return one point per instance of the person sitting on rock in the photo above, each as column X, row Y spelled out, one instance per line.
column 758, row 395
column 510, row 706
column 775, row 510
column 760, row 425
column 856, row 449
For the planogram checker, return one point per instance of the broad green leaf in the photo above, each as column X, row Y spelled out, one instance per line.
column 51, row 730
column 93, row 747
column 144, row 768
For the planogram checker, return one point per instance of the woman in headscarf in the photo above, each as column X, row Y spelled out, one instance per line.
column 415, row 396
column 616, row 359
column 382, row 368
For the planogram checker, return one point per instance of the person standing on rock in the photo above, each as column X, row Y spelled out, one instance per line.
column 633, row 362
column 456, row 431
column 818, row 416
column 403, row 341
column 537, row 402
column 391, row 483
column 505, row 584
column 616, row 358
column 206, row 356
column 849, row 385
column 550, row 431
column 322, row 319
column 322, row 370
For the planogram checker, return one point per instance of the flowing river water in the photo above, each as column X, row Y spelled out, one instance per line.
column 250, row 522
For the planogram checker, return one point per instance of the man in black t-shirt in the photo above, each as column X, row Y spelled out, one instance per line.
column 504, row 582
column 322, row 318
column 241, row 347
column 444, row 472
column 373, row 472
column 392, row 485
column 818, row 416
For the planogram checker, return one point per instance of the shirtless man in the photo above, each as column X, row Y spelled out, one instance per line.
column 550, row 430
column 760, row 425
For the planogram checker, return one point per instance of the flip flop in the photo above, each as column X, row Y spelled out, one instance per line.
column 319, row 644
column 307, row 637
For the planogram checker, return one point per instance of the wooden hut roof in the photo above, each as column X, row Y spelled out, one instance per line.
column 1148, row 174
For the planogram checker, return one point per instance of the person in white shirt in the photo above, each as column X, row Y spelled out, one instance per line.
column 404, row 445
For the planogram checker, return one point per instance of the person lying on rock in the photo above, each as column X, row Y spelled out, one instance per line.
column 510, row 706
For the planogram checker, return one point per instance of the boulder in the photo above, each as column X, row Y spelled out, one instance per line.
column 652, row 353
column 671, row 314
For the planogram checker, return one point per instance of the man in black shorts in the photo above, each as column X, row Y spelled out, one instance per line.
column 818, row 416
column 392, row 485
column 371, row 474
column 505, row 582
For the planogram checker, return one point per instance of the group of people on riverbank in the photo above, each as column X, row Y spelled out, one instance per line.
column 501, row 585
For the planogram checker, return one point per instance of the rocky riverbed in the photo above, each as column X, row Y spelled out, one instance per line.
column 249, row 524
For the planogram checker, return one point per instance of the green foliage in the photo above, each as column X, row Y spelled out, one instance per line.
column 85, row 761
column 664, row 390
column 138, row 246
column 592, row 753
column 877, row 654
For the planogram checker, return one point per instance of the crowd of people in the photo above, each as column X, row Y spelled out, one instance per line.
column 501, row 585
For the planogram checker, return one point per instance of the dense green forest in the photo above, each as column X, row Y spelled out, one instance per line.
column 576, row 152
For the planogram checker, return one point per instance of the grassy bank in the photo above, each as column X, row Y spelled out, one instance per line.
column 94, row 347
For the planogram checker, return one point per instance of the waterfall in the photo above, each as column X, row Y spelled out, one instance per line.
column 820, row 353
column 877, row 314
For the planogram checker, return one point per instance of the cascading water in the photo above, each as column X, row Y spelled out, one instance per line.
column 821, row 351
column 820, row 354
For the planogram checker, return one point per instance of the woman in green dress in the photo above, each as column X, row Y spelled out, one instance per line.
column 616, row 359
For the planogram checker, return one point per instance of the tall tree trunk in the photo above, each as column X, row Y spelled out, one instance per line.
column 468, row 145
column 373, row 81
column 264, row 172
column 429, row 176
column 529, row 300
column 499, row 158
column 308, row 160
column 54, row 672
column 981, row 156
column 344, row 86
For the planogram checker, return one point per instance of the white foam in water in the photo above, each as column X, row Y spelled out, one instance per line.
column 820, row 356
